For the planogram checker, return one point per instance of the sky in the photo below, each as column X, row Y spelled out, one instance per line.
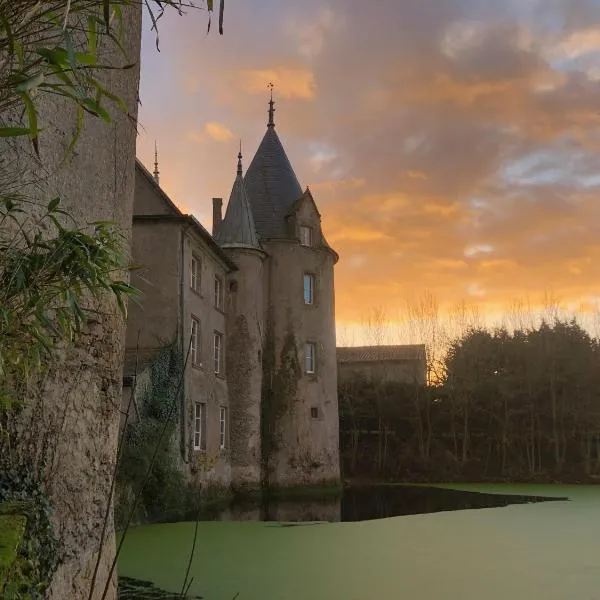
column 452, row 146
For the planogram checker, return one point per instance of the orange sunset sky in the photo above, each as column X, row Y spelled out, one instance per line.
column 452, row 146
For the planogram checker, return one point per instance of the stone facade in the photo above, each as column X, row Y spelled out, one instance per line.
column 399, row 364
column 275, row 394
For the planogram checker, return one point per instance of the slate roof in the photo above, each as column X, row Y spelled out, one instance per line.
column 237, row 229
column 272, row 187
column 380, row 353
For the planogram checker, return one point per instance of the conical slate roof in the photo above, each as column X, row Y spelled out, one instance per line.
column 272, row 186
column 237, row 229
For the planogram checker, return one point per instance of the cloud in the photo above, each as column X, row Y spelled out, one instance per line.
column 218, row 132
column 289, row 82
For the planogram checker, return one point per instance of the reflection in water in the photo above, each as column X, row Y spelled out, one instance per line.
column 372, row 502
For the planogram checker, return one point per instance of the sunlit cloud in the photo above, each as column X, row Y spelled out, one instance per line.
column 289, row 82
column 218, row 132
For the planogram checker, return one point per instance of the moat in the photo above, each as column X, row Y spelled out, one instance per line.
column 468, row 541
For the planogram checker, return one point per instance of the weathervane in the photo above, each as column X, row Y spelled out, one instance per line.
column 156, row 172
column 271, row 106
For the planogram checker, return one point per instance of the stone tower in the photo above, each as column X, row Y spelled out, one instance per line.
column 284, row 296
column 236, row 234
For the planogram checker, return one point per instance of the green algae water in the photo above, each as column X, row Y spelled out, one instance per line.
column 546, row 550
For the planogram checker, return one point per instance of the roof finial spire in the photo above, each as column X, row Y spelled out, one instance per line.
column 156, row 172
column 239, row 168
column 271, row 106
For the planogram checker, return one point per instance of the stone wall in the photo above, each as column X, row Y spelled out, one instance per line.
column 245, row 332
column 70, row 422
column 307, row 444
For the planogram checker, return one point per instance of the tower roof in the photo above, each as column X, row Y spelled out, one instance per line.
column 271, row 184
column 237, row 229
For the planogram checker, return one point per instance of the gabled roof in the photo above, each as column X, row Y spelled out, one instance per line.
column 272, row 187
column 380, row 353
column 298, row 203
column 237, row 229
column 175, row 215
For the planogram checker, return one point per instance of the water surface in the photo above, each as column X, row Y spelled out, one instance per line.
column 522, row 551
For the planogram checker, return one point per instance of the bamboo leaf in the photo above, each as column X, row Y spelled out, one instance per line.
column 92, row 36
column 106, row 13
column 32, row 118
column 31, row 83
column 53, row 204
column 14, row 131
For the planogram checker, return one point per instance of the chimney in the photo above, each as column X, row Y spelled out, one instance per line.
column 217, row 214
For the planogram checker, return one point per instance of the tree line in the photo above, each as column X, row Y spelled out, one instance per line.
column 505, row 405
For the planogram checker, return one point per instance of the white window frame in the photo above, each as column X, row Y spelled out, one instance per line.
column 218, row 299
column 195, row 342
column 218, row 352
column 310, row 278
column 195, row 279
column 306, row 235
column 222, row 428
column 199, row 426
column 310, row 353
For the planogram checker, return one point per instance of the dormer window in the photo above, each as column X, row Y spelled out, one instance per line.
column 305, row 235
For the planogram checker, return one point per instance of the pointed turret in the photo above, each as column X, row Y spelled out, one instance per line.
column 237, row 230
column 271, row 184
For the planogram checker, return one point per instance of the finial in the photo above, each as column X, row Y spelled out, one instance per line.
column 239, row 168
column 156, row 172
column 271, row 107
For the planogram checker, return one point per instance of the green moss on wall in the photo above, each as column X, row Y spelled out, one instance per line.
column 12, row 533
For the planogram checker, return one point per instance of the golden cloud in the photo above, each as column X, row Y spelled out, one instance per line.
column 290, row 82
column 218, row 132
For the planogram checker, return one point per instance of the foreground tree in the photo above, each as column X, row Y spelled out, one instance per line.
column 69, row 74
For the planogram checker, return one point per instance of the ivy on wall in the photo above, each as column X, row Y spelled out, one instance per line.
column 164, row 493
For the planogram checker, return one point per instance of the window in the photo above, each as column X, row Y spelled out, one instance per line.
column 199, row 426
column 195, row 273
column 305, row 235
column 309, row 358
column 218, row 351
column 309, row 288
column 314, row 412
column 222, row 427
column 195, row 342
column 218, row 293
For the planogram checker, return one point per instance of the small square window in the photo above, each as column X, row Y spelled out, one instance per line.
column 314, row 412
column 305, row 235
column 218, row 293
column 309, row 357
column 309, row 288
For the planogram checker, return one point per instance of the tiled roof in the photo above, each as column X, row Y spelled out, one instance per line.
column 237, row 229
column 272, row 187
column 380, row 353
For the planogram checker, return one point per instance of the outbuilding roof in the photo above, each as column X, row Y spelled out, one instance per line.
column 353, row 354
